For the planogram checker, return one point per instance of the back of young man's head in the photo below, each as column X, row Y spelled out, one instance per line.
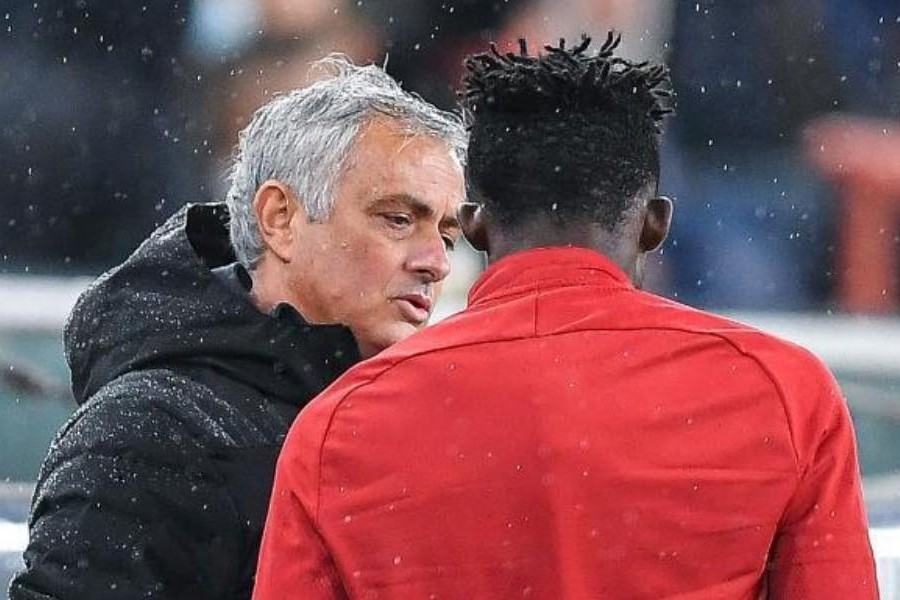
column 565, row 136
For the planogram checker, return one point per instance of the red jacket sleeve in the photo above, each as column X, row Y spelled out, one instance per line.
column 294, row 561
column 822, row 549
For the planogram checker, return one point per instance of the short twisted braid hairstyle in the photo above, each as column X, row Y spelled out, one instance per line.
column 566, row 133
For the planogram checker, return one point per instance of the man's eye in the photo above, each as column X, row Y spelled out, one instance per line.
column 397, row 220
column 449, row 243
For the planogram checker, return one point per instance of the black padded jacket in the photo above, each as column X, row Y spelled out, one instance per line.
column 158, row 485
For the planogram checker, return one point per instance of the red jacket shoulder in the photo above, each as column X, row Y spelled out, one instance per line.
column 806, row 387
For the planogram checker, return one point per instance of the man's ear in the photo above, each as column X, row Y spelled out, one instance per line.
column 657, row 220
column 473, row 222
column 276, row 207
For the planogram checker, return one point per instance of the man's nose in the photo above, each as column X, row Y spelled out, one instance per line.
column 430, row 258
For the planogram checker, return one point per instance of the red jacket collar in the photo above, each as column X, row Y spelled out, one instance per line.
column 542, row 268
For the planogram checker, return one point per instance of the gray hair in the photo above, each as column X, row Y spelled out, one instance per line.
column 302, row 139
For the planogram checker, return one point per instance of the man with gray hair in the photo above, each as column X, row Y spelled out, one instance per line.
column 191, row 359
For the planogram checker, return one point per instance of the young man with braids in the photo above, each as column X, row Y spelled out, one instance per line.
column 568, row 435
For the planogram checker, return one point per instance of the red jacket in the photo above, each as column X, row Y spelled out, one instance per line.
column 568, row 436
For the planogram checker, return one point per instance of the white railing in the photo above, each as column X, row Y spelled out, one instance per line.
column 38, row 303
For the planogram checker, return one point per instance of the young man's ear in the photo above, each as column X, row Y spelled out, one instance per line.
column 473, row 222
column 657, row 220
column 275, row 207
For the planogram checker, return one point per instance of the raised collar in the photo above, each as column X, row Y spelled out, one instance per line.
column 543, row 268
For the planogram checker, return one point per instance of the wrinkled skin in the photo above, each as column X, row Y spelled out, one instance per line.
column 377, row 262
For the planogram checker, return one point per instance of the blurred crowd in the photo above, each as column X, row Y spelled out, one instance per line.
column 779, row 156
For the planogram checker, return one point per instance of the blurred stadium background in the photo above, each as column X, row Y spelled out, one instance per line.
column 783, row 159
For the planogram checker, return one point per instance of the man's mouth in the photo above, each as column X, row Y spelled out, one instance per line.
column 415, row 308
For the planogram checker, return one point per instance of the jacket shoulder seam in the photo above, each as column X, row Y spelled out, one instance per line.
column 331, row 417
column 773, row 380
column 721, row 335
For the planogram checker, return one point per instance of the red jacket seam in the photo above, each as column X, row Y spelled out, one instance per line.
column 490, row 299
column 400, row 360
column 778, row 389
column 331, row 417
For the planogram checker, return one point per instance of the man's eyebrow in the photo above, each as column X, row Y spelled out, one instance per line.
column 419, row 208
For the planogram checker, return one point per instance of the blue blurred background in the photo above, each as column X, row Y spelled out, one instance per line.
column 783, row 159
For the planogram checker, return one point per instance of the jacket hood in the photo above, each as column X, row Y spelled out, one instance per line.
column 165, row 306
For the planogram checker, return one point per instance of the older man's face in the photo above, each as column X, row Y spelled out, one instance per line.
column 377, row 263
